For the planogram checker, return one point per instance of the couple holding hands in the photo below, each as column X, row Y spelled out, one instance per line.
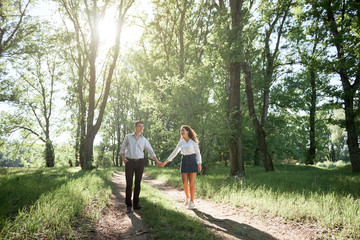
column 132, row 153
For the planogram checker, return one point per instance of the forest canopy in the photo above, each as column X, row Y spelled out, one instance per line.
column 260, row 82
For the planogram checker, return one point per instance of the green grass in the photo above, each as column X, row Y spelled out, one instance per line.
column 165, row 222
column 51, row 203
column 64, row 203
column 328, row 198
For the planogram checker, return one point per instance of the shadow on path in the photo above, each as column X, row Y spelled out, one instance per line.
column 235, row 229
column 114, row 222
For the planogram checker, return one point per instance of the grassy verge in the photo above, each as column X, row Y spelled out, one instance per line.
column 328, row 198
column 167, row 223
column 51, row 203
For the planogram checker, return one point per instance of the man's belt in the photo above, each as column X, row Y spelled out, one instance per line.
column 137, row 159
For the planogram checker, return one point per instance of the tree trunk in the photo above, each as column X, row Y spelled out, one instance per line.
column 118, row 143
column 77, row 142
column 91, row 128
column 82, row 152
column 82, row 136
column 349, row 89
column 234, row 115
column 312, row 149
column 269, row 60
column 89, row 151
column 258, row 128
column 234, row 111
column 352, row 136
column 181, row 40
column 257, row 157
column 49, row 154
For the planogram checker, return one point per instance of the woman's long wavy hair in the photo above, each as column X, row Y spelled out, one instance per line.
column 192, row 133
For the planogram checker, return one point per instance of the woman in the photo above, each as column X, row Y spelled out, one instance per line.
column 190, row 162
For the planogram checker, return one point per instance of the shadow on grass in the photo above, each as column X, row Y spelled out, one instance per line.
column 293, row 178
column 167, row 223
column 22, row 187
column 235, row 229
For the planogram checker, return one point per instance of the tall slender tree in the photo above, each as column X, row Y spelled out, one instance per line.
column 85, row 17
column 237, row 11
column 341, row 23
column 38, row 75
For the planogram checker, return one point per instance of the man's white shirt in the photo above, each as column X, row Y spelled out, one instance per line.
column 134, row 147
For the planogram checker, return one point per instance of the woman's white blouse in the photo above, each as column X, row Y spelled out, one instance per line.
column 186, row 148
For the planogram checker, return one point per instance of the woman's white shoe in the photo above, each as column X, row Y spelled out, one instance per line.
column 191, row 205
column 187, row 200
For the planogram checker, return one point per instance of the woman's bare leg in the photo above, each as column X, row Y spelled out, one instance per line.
column 185, row 180
column 192, row 178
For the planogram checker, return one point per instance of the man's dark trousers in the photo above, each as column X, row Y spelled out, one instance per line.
column 131, row 167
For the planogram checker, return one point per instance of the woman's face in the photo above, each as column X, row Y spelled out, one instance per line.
column 184, row 133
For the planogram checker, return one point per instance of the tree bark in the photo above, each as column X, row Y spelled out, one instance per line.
column 234, row 111
column 90, row 125
column 118, row 144
column 312, row 149
column 49, row 154
column 77, row 141
column 342, row 68
column 258, row 128
column 269, row 61
column 234, row 116
column 181, row 40
column 352, row 136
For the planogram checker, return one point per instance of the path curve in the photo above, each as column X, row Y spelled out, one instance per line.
column 222, row 220
column 235, row 223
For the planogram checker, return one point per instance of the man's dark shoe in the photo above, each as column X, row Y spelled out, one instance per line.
column 128, row 209
column 137, row 207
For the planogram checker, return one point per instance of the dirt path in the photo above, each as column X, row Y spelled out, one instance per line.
column 235, row 223
column 114, row 222
column 222, row 220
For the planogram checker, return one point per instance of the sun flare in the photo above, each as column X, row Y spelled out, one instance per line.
column 107, row 28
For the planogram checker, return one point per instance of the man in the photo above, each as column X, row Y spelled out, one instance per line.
column 132, row 153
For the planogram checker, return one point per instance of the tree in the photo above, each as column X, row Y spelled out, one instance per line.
column 122, row 101
column 341, row 23
column 307, row 39
column 234, row 110
column 15, row 29
column 37, row 76
column 273, row 17
column 171, row 79
column 85, row 17
column 13, row 25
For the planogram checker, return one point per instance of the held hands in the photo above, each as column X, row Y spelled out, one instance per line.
column 160, row 164
column 199, row 167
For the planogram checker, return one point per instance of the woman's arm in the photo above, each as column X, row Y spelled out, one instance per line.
column 173, row 154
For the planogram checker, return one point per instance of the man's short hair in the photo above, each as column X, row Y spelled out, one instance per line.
column 138, row 122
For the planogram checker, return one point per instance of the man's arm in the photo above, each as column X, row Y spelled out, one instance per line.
column 150, row 150
column 158, row 162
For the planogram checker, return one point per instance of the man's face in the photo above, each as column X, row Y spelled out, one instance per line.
column 139, row 128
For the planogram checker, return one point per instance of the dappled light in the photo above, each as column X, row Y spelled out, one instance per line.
column 213, row 119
